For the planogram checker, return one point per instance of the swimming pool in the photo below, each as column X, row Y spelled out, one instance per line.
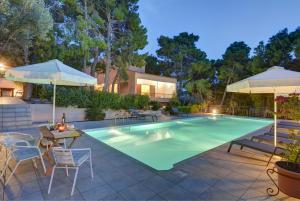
column 161, row 145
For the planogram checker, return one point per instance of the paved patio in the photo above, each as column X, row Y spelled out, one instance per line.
column 213, row 175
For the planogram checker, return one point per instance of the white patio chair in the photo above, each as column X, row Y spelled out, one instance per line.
column 22, row 150
column 70, row 159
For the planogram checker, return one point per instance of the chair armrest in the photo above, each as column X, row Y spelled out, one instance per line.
column 22, row 142
column 26, row 147
column 81, row 149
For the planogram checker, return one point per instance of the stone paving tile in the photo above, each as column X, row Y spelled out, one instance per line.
column 172, row 176
column 60, row 192
column 32, row 196
column 122, row 183
column 85, row 184
column 239, row 179
column 178, row 193
column 75, row 197
column 137, row 192
column 232, row 187
column 253, row 194
column 137, row 172
column 194, row 184
column 158, row 184
column 214, row 193
column 99, row 193
column 156, row 198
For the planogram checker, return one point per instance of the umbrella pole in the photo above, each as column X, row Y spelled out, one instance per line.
column 53, row 104
column 275, row 120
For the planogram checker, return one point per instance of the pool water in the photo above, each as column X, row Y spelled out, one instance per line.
column 161, row 145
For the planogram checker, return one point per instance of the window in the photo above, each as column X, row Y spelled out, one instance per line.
column 145, row 89
column 99, row 87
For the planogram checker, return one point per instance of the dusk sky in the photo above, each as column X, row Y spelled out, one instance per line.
column 218, row 22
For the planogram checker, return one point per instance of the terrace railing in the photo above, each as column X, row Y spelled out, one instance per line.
column 157, row 96
column 243, row 111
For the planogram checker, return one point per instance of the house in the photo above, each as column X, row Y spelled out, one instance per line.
column 10, row 89
column 159, row 88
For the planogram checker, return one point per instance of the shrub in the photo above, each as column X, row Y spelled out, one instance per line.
column 155, row 105
column 185, row 109
column 127, row 102
column 94, row 113
column 195, row 108
column 174, row 102
column 84, row 98
column 141, row 102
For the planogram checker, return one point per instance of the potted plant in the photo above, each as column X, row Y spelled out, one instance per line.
column 288, row 169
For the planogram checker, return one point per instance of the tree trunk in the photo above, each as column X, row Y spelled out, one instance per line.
column 85, row 30
column 108, row 52
column 114, row 82
column 228, row 82
column 95, row 62
column 27, row 87
column 224, row 93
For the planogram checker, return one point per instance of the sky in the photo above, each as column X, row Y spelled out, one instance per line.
column 218, row 22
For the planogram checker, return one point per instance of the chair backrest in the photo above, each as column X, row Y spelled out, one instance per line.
column 46, row 132
column 63, row 157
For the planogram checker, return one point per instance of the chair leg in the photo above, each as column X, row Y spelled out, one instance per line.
column 74, row 182
column 91, row 166
column 12, row 173
column 42, row 161
column 5, row 166
column 34, row 163
column 270, row 159
column 67, row 170
column 52, row 174
column 229, row 148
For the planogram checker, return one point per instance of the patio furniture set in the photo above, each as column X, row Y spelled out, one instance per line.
column 264, row 141
column 22, row 147
column 134, row 114
column 288, row 170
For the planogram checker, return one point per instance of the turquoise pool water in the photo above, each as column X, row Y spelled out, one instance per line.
column 161, row 145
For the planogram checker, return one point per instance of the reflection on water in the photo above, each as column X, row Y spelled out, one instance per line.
column 153, row 137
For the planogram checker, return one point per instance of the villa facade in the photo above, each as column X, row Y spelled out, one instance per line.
column 159, row 88
column 10, row 89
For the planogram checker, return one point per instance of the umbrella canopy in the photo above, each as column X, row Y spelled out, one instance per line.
column 276, row 80
column 50, row 72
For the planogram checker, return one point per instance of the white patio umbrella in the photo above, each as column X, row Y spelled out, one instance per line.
column 50, row 72
column 276, row 80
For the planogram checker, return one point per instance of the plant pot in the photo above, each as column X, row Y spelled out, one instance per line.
column 288, row 178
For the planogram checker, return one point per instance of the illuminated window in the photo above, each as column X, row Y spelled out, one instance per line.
column 145, row 89
column 99, row 87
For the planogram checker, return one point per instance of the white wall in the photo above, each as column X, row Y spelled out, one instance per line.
column 43, row 113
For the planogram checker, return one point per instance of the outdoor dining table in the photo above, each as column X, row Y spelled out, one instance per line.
column 70, row 133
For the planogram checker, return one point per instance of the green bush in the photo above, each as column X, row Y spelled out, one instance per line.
column 96, row 102
column 154, row 105
column 94, row 113
column 195, row 108
column 185, row 109
column 141, row 102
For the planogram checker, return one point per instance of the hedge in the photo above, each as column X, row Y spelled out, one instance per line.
column 84, row 98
